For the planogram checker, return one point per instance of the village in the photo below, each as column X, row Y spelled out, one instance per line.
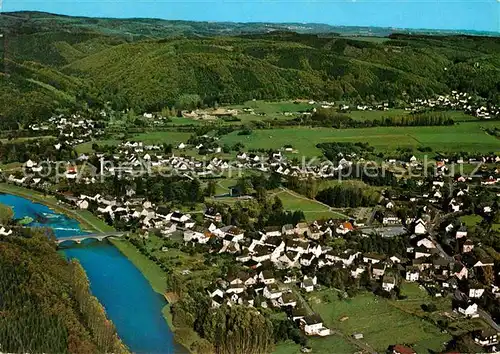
column 420, row 234
column 281, row 263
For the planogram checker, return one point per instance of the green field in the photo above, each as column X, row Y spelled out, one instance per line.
column 471, row 220
column 326, row 345
column 274, row 107
column 460, row 137
column 86, row 148
column 378, row 320
column 312, row 209
column 378, row 115
column 160, row 137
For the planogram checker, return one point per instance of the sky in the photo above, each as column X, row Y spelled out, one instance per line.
column 480, row 15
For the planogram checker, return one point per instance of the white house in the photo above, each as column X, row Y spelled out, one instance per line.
column 420, row 228
column 388, row 283
column 468, row 310
column 412, row 274
column 272, row 291
column 313, row 326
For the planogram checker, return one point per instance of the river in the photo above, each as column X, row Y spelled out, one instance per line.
column 130, row 302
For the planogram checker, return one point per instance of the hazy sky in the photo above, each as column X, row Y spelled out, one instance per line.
column 481, row 15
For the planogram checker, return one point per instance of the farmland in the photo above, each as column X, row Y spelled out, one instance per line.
column 457, row 116
column 461, row 137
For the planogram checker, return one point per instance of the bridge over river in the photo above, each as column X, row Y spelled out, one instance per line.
column 97, row 236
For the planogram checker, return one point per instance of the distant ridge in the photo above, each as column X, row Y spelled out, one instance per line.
column 238, row 28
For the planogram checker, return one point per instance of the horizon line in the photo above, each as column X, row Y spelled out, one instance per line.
column 420, row 29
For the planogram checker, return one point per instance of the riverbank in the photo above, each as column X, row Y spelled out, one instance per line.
column 158, row 280
column 87, row 220
column 155, row 276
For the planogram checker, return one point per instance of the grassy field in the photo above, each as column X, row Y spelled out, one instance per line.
column 274, row 107
column 460, row 137
column 378, row 115
column 86, row 148
column 24, row 139
column 160, row 137
column 378, row 320
column 471, row 220
column 87, row 220
column 312, row 209
column 331, row 344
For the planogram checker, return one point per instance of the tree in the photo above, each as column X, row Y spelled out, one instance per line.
column 238, row 330
column 211, row 188
column 6, row 214
column 188, row 102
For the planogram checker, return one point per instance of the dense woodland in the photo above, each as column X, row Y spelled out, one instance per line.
column 45, row 303
column 59, row 64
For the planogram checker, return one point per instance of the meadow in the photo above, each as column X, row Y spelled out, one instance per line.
column 381, row 323
column 460, row 137
column 330, row 344
column 313, row 210
column 457, row 116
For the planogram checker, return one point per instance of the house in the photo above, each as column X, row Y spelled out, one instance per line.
column 214, row 291
column 178, row 217
column 421, row 252
column 272, row 291
column 262, row 253
column 378, row 270
column 315, row 232
column 468, row 246
column 198, row 234
column 426, row 242
column 168, row 228
column 344, row 228
column 267, row 277
column 469, row 310
column 288, row 229
column 302, row 229
column 313, row 325
column 235, row 289
column 306, row 259
column 287, row 299
column 5, row 232
column 388, row 283
column 459, row 270
column 396, row 259
column 298, row 313
column 372, row 258
column 83, row 204
column 461, row 232
column 484, row 262
column 412, row 274
column 390, row 219
column 420, row 228
column 214, row 216
column 486, row 337
column 308, row 283
column 272, row 231
column 476, row 290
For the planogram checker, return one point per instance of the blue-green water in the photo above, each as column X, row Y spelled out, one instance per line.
column 130, row 302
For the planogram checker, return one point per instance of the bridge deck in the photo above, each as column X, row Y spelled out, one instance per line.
column 97, row 236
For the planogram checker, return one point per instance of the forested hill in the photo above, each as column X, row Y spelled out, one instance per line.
column 45, row 304
column 58, row 61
